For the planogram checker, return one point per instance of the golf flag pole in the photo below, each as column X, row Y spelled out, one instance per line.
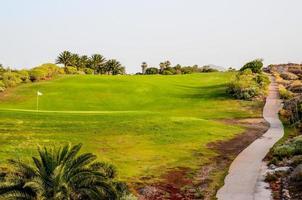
column 38, row 94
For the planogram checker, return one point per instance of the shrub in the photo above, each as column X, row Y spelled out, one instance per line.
column 80, row 72
column 291, row 148
column 289, row 76
column 255, row 66
column 262, row 80
column 24, row 75
column 280, row 80
column 271, row 177
column 241, row 90
column 152, row 70
column 295, row 69
column 297, row 143
column 11, row 79
column 51, row 69
column 296, row 160
column 284, row 93
column 292, row 108
column 2, row 86
column 283, row 151
column 88, row 71
column 297, row 173
column 295, row 86
column 186, row 70
column 37, row 74
column 285, row 116
column 167, row 72
column 248, row 85
column 71, row 70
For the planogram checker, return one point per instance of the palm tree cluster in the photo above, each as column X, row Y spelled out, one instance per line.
column 95, row 62
column 61, row 174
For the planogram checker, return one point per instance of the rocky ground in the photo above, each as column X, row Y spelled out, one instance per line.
column 285, row 169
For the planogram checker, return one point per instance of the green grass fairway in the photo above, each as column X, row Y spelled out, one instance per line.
column 141, row 124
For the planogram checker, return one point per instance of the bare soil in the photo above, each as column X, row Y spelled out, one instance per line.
column 188, row 184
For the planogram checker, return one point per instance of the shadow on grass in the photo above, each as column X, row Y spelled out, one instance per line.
column 205, row 92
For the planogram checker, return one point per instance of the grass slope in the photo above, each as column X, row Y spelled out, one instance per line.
column 139, row 123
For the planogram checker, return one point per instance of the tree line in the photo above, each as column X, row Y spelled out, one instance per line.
column 72, row 64
column 94, row 64
column 166, row 68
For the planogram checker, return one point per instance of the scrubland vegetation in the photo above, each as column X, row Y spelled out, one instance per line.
column 250, row 82
column 287, row 154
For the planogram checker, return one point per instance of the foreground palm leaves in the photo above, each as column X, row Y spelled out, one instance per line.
column 60, row 174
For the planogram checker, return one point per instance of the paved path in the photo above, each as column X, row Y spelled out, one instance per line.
column 240, row 183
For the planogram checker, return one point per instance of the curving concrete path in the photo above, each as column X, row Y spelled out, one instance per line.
column 242, row 182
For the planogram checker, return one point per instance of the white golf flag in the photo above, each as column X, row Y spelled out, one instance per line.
column 39, row 93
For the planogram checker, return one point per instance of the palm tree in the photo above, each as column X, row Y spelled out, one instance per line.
column 114, row 67
column 60, row 174
column 167, row 64
column 83, row 62
column 1, row 68
column 97, row 62
column 144, row 67
column 65, row 58
column 161, row 67
column 75, row 60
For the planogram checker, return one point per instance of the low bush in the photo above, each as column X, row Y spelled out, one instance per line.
column 51, row 69
column 280, row 80
column 11, row 79
column 45, row 71
column 292, row 110
column 24, row 75
column 285, row 116
column 295, row 86
column 297, row 173
column 289, row 76
column 296, row 160
column 295, row 69
column 80, row 72
column 71, row 70
column 152, row 70
column 2, row 86
column 88, row 71
column 248, row 85
column 271, row 177
column 167, row 72
column 284, row 93
column 289, row 149
column 283, row 151
column 37, row 74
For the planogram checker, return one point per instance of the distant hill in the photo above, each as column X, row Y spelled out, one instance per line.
column 219, row 68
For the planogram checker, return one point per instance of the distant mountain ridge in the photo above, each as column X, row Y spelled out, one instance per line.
column 219, row 68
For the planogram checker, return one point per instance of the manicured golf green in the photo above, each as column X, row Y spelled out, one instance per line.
column 141, row 124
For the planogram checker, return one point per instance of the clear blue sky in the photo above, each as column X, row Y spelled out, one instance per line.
column 221, row 32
